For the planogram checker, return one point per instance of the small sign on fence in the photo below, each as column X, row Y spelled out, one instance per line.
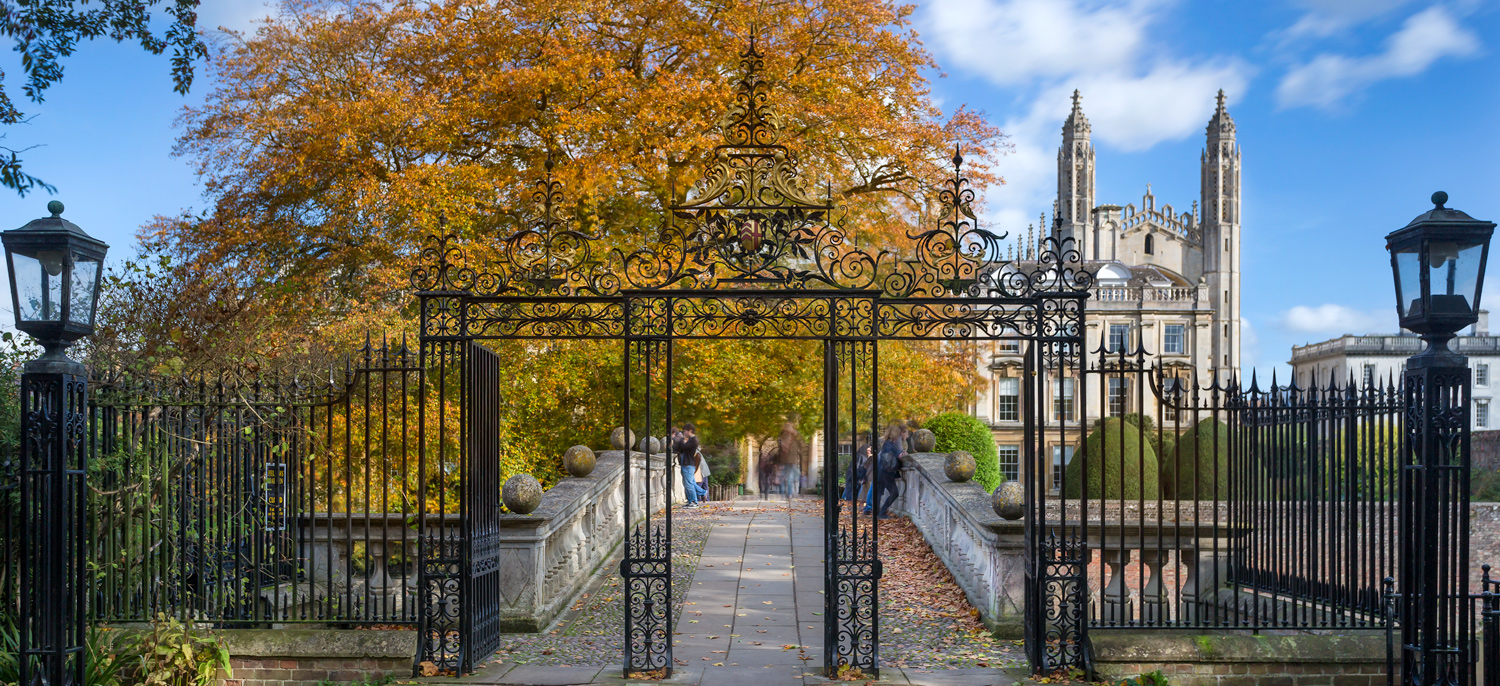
column 273, row 492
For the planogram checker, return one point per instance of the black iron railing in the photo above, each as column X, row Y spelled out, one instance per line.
column 248, row 502
column 1207, row 503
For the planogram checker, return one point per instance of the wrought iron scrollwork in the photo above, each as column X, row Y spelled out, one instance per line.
column 750, row 221
column 1063, row 608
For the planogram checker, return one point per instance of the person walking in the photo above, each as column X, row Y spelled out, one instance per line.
column 859, row 471
column 789, row 449
column 888, row 467
column 685, row 445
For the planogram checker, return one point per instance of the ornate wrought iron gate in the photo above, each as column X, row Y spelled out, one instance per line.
column 748, row 255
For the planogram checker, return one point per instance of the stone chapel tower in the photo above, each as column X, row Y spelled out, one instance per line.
column 1075, row 183
column 1221, row 236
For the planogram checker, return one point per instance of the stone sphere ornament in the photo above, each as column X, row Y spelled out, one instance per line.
column 650, row 444
column 522, row 494
column 579, row 461
column 959, row 466
column 617, row 439
column 1009, row 498
column 923, row 441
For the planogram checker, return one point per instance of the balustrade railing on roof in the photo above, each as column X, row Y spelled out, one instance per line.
column 1146, row 294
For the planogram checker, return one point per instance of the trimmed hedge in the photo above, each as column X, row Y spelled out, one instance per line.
column 959, row 431
column 1117, row 465
column 1202, row 454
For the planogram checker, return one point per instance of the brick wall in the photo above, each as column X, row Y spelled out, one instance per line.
column 309, row 671
column 1484, row 450
column 305, row 657
column 1242, row 659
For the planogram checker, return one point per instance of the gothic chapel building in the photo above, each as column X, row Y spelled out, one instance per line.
column 1167, row 281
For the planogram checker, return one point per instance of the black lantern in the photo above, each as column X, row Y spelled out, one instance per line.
column 1439, row 261
column 55, row 271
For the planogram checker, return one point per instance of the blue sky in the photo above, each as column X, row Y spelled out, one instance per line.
column 1350, row 113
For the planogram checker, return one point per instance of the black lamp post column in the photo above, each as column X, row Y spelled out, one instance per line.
column 52, row 498
column 1439, row 262
column 1435, row 626
column 54, row 269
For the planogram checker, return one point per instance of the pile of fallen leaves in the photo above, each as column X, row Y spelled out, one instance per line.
column 917, row 581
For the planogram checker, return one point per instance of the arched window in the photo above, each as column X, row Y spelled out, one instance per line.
column 1150, row 244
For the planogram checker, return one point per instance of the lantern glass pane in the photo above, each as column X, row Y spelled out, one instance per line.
column 39, row 283
column 1409, row 280
column 1453, row 268
column 85, row 280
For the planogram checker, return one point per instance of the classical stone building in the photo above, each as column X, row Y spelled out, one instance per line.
column 1380, row 359
column 1168, row 281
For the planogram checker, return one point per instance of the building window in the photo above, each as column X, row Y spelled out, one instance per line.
column 1061, row 456
column 1174, row 342
column 1119, row 396
column 1481, row 414
column 1226, row 245
column 1010, row 345
column 1369, row 372
column 1150, row 245
column 1481, row 375
column 1062, row 400
column 1010, row 462
column 1007, row 399
column 1171, row 397
column 1119, row 337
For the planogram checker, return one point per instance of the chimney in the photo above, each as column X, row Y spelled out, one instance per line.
column 1482, row 327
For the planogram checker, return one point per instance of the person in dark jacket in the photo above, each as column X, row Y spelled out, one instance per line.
column 888, row 467
column 859, row 469
column 685, row 445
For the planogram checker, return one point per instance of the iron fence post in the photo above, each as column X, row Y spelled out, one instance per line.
column 54, row 396
column 1436, row 615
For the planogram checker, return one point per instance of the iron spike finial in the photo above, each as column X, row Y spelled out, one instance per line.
column 958, row 158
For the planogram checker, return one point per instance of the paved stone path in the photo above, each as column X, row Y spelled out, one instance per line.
column 752, row 615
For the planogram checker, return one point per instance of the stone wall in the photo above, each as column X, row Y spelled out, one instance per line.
column 1241, row 658
column 546, row 557
column 307, row 657
column 984, row 552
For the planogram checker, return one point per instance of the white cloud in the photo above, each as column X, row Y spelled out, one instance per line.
column 1135, row 94
column 1170, row 101
column 1328, row 17
column 1335, row 320
column 1013, row 41
column 1425, row 38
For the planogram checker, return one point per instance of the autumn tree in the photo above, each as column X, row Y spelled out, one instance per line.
column 339, row 133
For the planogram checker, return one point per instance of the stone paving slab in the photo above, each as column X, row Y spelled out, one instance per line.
column 765, row 562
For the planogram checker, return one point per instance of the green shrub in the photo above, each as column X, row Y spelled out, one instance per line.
column 1117, row 467
column 1196, row 459
column 174, row 655
column 959, row 431
column 1484, row 484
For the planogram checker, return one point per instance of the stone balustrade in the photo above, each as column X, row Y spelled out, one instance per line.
column 985, row 553
column 545, row 558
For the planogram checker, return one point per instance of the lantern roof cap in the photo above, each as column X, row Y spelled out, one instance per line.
column 54, row 224
column 1439, row 217
column 1444, row 215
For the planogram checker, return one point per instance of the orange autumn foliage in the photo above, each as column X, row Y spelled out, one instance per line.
column 340, row 132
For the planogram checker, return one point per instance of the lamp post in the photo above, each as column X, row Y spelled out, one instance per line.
column 1438, row 261
column 54, row 269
